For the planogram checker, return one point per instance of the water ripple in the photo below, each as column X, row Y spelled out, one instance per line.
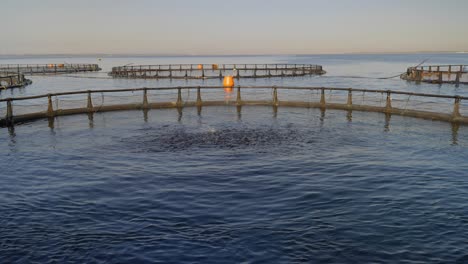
column 291, row 188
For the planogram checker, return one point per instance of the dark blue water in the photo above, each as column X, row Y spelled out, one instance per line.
column 301, row 186
column 255, row 186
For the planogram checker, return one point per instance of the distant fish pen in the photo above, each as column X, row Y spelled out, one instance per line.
column 12, row 80
column 457, row 74
column 428, row 106
column 211, row 71
column 33, row 69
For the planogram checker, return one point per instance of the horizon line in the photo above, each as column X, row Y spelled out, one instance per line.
column 223, row 55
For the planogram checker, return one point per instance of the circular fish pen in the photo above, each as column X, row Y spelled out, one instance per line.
column 33, row 69
column 427, row 106
column 211, row 71
column 457, row 74
column 12, row 80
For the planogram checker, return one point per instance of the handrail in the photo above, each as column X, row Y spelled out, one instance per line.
column 7, row 74
column 229, row 66
column 9, row 79
column 49, row 68
column 437, row 74
column 453, row 68
column 240, row 87
column 441, row 65
column 455, row 116
column 204, row 71
column 199, row 67
column 13, row 65
column 206, row 64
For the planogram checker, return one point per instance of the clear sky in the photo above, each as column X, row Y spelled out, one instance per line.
column 204, row 27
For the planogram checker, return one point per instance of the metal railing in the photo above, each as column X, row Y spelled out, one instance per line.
column 195, row 71
column 12, row 79
column 442, row 68
column 457, row 74
column 49, row 68
column 428, row 106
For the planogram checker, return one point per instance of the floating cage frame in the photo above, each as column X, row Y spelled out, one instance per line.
column 457, row 74
column 346, row 99
column 33, row 69
column 212, row 71
column 12, row 80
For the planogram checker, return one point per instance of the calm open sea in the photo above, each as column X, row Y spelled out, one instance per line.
column 299, row 185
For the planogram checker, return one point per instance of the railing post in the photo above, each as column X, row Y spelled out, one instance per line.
column 350, row 98
column 275, row 96
column 50, row 108
column 420, row 75
column 9, row 114
column 179, row 97
column 90, row 103
column 19, row 77
column 322, row 98
column 456, row 108
column 199, row 100
column 145, row 98
column 238, row 100
column 388, row 105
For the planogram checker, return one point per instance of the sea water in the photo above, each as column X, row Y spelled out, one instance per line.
column 255, row 185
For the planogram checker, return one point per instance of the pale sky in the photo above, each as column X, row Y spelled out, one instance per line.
column 220, row 27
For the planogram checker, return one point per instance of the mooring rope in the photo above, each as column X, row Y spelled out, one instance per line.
column 406, row 105
column 71, row 76
column 378, row 78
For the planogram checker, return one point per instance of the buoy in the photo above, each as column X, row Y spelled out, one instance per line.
column 214, row 66
column 200, row 66
column 50, row 65
column 228, row 81
column 61, row 65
